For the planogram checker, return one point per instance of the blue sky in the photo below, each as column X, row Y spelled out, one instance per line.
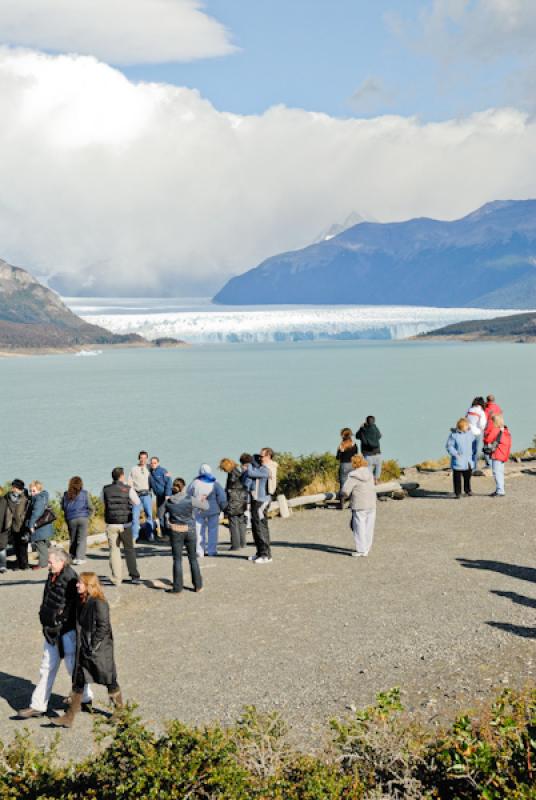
column 125, row 165
column 342, row 57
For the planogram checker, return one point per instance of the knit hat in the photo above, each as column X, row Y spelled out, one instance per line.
column 18, row 484
column 204, row 469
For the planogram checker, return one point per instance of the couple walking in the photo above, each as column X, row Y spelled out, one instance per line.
column 75, row 619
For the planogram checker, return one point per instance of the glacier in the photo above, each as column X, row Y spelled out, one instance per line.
column 200, row 322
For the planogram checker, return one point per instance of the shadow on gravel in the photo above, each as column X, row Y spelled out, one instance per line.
column 513, row 570
column 18, row 691
column 520, row 599
column 23, row 583
column 421, row 494
column 517, row 630
column 324, row 548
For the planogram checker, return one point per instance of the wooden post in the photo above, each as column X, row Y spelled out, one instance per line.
column 284, row 510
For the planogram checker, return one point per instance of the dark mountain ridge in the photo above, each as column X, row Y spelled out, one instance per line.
column 33, row 317
column 486, row 259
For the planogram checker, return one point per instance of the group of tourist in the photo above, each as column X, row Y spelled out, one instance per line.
column 482, row 428
column 74, row 612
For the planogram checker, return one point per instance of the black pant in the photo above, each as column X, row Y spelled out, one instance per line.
column 178, row 540
column 457, row 480
column 260, row 530
column 237, row 528
column 21, row 550
column 160, row 512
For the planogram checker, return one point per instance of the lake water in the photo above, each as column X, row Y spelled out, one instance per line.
column 65, row 415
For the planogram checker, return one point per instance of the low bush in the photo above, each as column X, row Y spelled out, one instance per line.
column 378, row 752
column 299, row 475
column 391, row 470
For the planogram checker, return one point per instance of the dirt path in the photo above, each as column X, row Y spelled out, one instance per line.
column 444, row 607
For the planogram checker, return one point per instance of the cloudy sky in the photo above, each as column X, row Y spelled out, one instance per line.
column 165, row 145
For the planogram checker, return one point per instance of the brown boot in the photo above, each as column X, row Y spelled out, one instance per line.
column 67, row 719
column 116, row 699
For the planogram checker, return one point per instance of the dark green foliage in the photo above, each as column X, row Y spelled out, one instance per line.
column 297, row 473
column 378, row 752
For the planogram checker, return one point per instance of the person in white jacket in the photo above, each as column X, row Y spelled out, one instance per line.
column 359, row 487
column 477, row 419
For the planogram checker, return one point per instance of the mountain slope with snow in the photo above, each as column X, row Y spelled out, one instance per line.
column 486, row 259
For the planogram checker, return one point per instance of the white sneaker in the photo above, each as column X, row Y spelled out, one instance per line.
column 79, row 561
column 359, row 555
column 263, row 560
column 252, row 558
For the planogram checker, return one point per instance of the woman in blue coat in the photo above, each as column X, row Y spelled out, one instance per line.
column 207, row 522
column 40, row 535
column 460, row 450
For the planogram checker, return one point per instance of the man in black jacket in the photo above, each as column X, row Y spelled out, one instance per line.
column 119, row 500
column 13, row 509
column 58, row 619
column 369, row 435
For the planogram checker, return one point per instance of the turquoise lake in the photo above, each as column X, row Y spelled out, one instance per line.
column 65, row 415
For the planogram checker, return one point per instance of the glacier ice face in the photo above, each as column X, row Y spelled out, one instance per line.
column 204, row 323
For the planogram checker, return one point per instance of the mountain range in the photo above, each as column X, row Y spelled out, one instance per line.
column 33, row 317
column 486, row 259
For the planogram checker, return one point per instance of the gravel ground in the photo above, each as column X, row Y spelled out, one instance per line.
column 443, row 607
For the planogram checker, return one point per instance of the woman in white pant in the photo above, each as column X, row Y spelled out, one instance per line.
column 359, row 487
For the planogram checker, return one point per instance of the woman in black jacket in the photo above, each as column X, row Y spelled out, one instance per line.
column 346, row 451
column 95, row 647
column 237, row 502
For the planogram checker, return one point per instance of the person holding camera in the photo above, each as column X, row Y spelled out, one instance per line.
column 497, row 447
column 260, row 479
column 39, row 524
column 13, row 510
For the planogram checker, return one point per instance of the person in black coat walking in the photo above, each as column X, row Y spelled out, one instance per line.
column 237, row 502
column 94, row 647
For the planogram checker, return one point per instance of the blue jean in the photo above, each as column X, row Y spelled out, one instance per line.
column 497, row 467
column 147, row 504
column 375, row 465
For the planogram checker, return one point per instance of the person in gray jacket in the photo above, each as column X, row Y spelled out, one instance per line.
column 359, row 487
column 179, row 521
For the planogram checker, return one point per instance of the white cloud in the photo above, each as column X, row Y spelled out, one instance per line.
column 479, row 29
column 116, row 31
column 140, row 186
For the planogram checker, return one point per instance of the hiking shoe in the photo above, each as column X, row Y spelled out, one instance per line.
column 136, row 581
column 29, row 713
column 263, row 560
column 173, row 591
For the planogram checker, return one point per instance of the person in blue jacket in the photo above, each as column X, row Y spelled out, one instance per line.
column 256, row 480
column 207, row 522
column 460, row 449
column 160, row 483
column 40, row 535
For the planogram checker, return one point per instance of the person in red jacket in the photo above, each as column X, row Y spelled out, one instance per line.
column 491, row 409
column 498, row 447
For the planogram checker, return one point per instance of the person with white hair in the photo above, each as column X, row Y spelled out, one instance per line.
column 58, row 619
column 207, row 522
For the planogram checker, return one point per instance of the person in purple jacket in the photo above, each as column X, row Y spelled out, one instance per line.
column 77, row 509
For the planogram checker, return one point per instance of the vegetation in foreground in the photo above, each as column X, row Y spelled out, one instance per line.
column 378, row 752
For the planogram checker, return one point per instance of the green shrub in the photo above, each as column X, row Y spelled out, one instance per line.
column 298, row 475
column 391, row 470
column 378, row 752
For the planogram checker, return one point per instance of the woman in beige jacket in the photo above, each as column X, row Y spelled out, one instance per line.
column 359, row 487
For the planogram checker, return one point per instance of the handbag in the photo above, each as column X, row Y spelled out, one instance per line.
column 46, row 518
column 178, row 528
